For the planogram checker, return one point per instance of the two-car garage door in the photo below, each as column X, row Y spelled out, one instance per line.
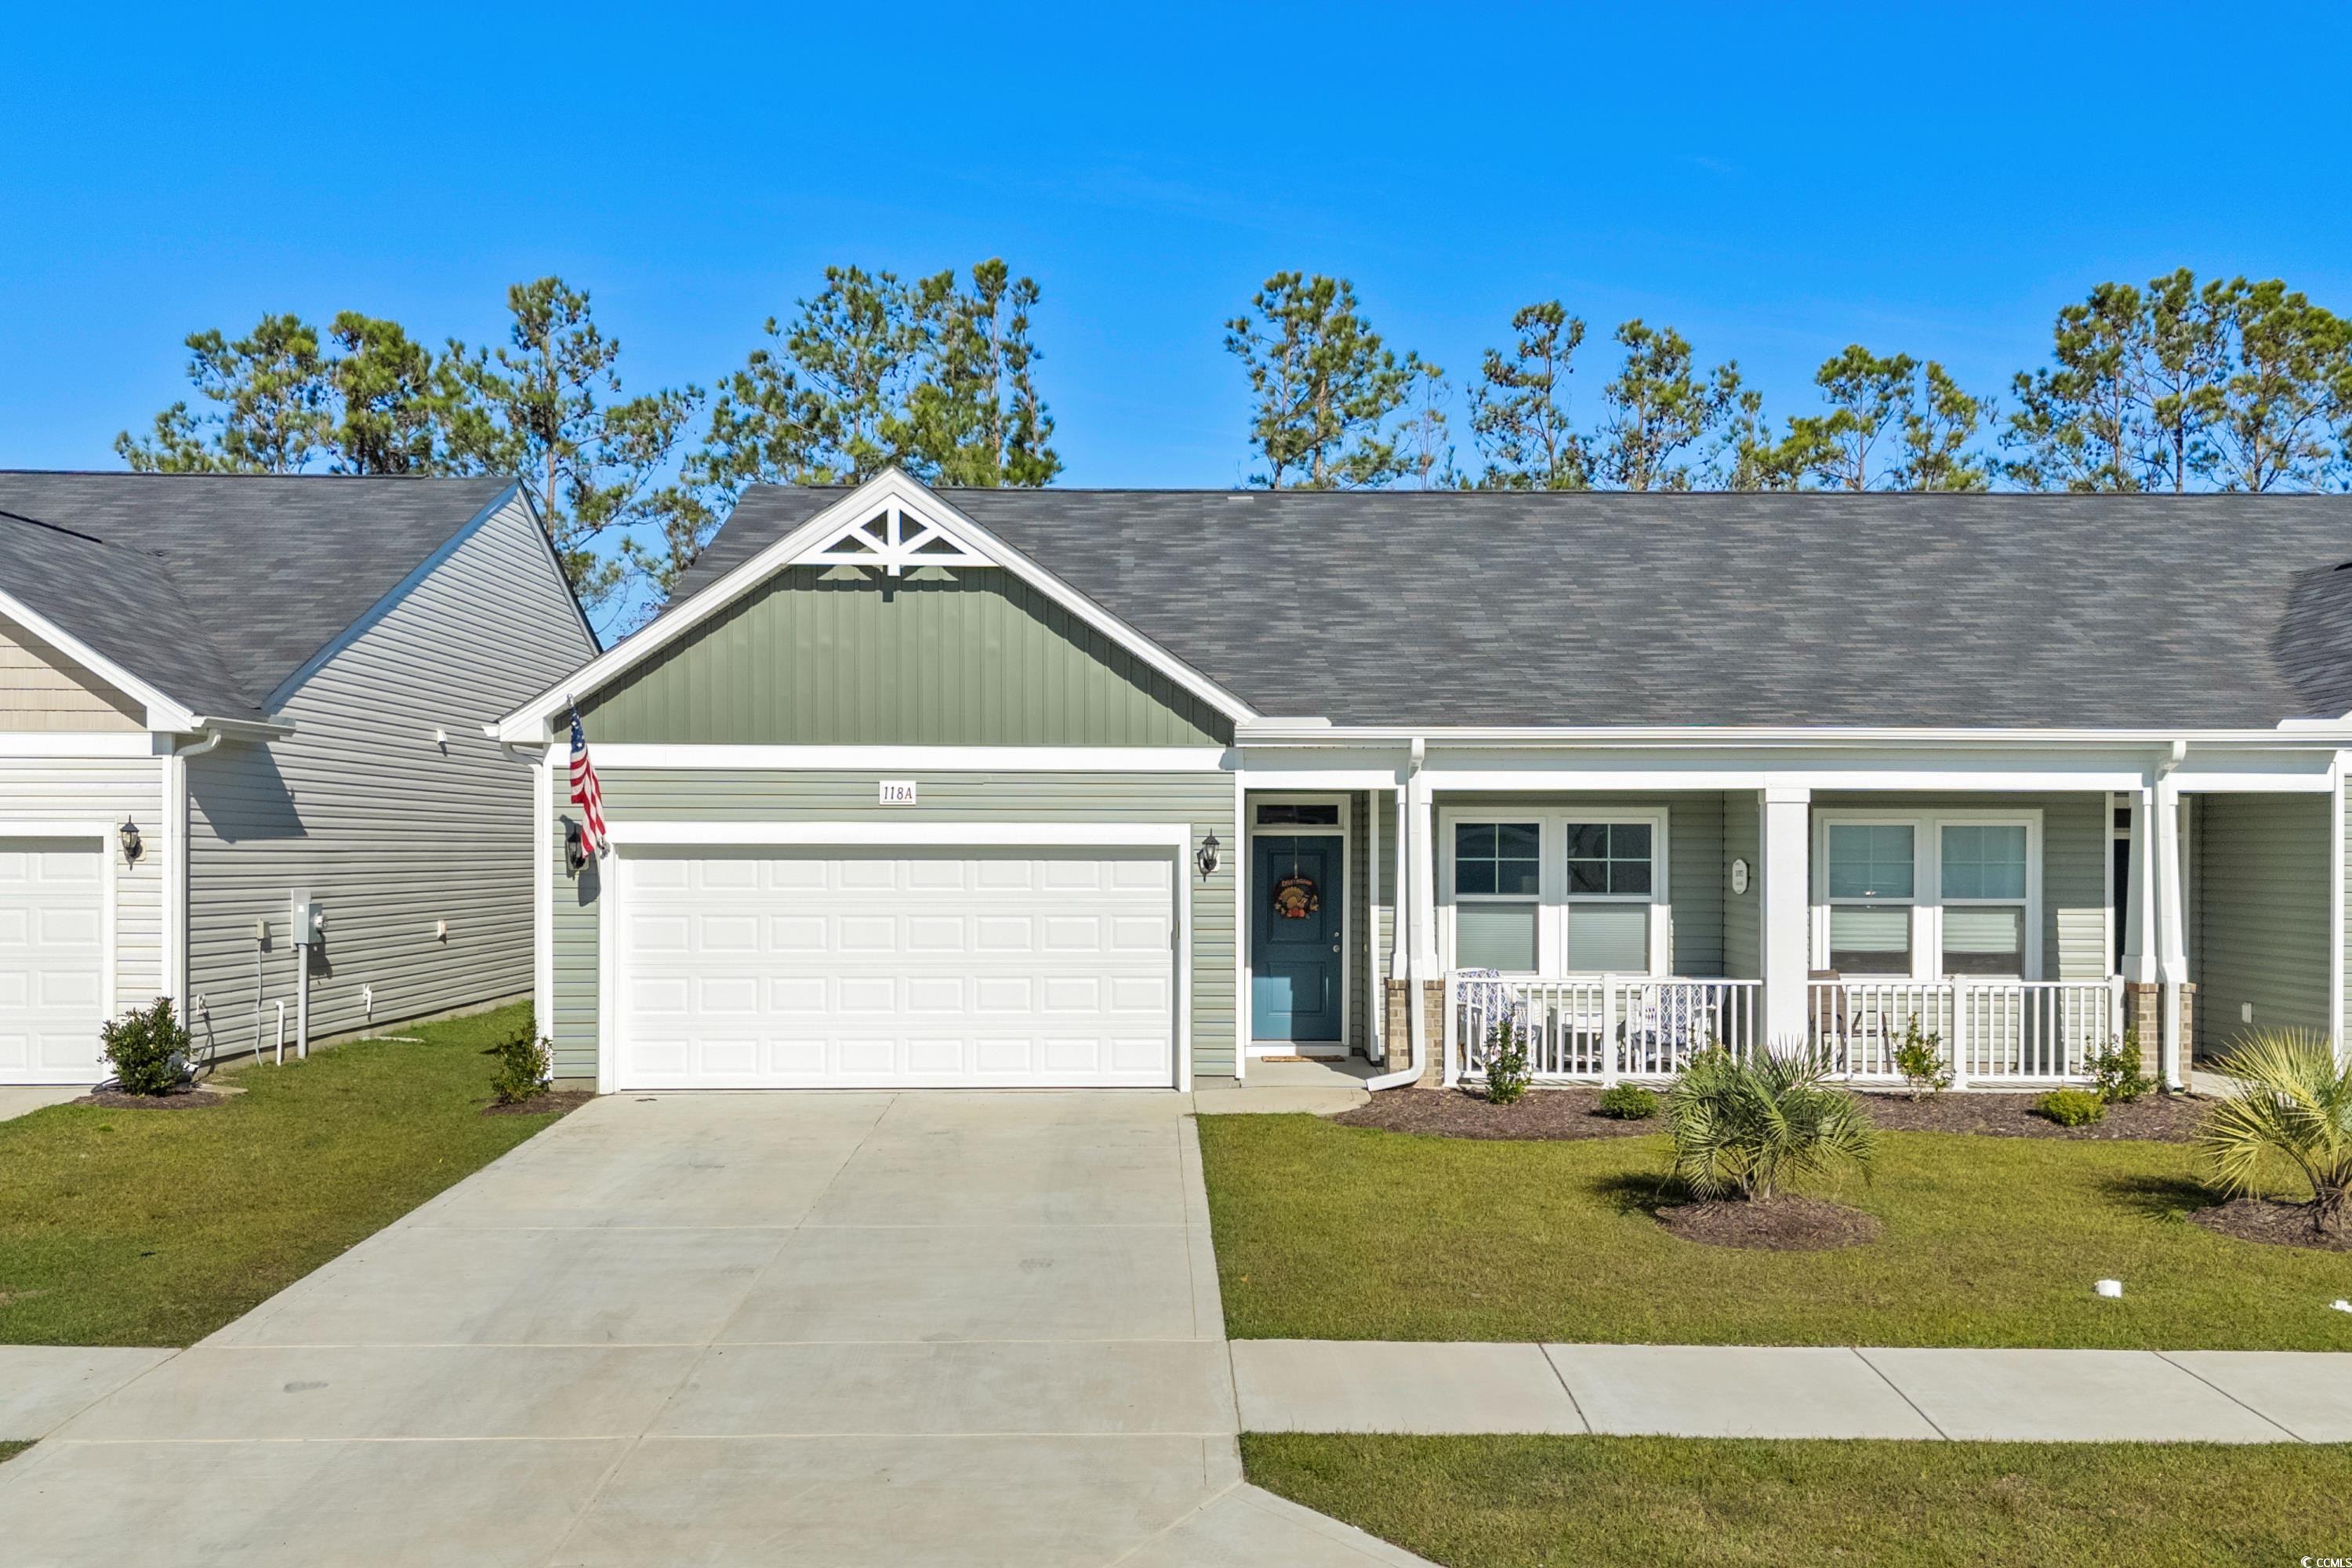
column 52, row 953
column 955, row 967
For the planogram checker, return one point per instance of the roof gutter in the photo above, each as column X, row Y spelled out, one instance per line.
column 216, row 731
column 2314, row 734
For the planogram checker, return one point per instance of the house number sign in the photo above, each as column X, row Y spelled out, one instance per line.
column 897, row 792
column 1740, row 876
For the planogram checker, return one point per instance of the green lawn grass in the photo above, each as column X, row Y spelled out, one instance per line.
column 1636, row 1502
column 1330, row 1232
column 154, row 1227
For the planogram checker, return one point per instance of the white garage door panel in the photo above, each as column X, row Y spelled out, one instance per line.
column 52, row 949
column 782, row 969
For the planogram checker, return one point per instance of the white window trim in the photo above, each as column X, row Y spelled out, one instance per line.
column 1552, row 898
column 1342, row 831
column 1927, row 902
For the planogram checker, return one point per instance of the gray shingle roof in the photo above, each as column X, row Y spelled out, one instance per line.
column 217, row 587
column 2032, row 610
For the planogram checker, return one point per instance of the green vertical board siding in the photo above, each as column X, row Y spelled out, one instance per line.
column 1695, row 863
column 1360, row 915
column 1743, row 839
column 1203, row 801
column 1384, row 807
column 2259, row 929
column 833, row 656
column 2074, row 837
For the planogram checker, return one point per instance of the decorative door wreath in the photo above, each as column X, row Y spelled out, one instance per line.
column 1297, row 897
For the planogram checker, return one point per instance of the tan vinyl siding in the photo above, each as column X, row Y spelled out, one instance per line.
column 1694, row 887
column 40, row 689
column 2076, row 835
column 1203, row 801
column 2259, row 926
column 387, row 829
column 830, row 656
column 1743, row 839
column 104, row 790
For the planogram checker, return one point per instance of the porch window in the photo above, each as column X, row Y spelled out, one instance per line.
column 1497, row 882
column 1983, row 887
column 1872, row 886
column 1610, row 882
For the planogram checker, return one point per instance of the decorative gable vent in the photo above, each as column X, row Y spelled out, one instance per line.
column 894, row 539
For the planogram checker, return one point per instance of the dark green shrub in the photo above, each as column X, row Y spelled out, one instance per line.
column 2115, row 1076
column 148, row 1049
column 521, row 1067
column 2071, row 1107
column 1628, row 1102
column 1748, row 1130
column 1506, row 1063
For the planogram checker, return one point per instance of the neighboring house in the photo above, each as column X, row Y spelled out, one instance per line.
column 913, row 788
column 220, row 692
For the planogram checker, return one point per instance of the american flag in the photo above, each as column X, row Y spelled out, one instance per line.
column 586, row 792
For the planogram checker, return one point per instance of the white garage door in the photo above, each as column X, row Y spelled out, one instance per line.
column 51, row 945
column 954, row 968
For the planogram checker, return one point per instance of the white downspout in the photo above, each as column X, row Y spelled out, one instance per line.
column 2172, row 937
column 1413, row 863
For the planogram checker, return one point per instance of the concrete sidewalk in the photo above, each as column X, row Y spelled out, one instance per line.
column 42, row 1387
column 1710, row 1391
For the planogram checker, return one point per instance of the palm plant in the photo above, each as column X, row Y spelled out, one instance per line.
column 1749, row 1129
column 2292, row 1110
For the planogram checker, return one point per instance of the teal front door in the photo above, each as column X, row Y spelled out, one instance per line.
column 1296, row 899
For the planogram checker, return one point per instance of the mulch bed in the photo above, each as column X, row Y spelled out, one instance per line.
column 2153, row 1117
column 1565, row 1113
column 2268, row 1220
column 1786, row 1223
column 560, row 1102
column 185, row 1097
column 1543, row 1113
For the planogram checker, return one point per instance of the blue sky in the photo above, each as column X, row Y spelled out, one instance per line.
column 1775, row 183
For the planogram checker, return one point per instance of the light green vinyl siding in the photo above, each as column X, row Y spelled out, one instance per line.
column 1743, row 942
column 2074, row 840
column 832, row 656
column 1204, row 801
column 1695, row 860
column 2258, row 928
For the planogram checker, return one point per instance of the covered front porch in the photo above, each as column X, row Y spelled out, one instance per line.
column 2014, row 933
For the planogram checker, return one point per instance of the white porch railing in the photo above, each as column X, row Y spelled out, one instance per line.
column 1993, row 1033
column 1997, row 1032
column 1598, row 1029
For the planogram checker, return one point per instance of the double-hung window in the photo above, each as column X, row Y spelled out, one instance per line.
column 1609, row 892
column 1873, row 883
column 1497, row 890
column 1982, row 884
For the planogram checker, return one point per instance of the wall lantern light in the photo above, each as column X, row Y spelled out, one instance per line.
column 576, row 848
column 1210, row 857
column 128, row 834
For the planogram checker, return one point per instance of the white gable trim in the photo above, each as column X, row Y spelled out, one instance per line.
column 162, row 712
column 826, row 538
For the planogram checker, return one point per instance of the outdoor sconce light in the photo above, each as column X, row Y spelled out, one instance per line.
column 575, row 849
column 129, row 836
column 1209, row 858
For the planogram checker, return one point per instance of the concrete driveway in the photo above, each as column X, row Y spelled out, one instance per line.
column 825, row 1329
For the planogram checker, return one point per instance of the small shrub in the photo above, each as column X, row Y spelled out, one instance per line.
column 521, row 1067
column 1747, row 1129
column 1628, row 1102
column 2115, row 1076
column 2071, row 1107
column 2291, row 1111
column 1506, row 1063
column 148, row 1048
column 1920, row 1058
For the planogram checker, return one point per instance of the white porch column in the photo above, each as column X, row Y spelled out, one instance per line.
column 2172, row 939
column 1423, row 880
column 2140, row 948
column 1786, row 922
column 1399, row 895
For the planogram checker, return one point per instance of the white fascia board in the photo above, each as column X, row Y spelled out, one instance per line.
column 163, row 711
column 529, row 722
column 1292, row 733
column 1785, row 777
column 913, row 759
column 393, row 596
column 885, row 834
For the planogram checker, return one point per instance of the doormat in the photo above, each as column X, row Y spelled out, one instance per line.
column 1282, row 1058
